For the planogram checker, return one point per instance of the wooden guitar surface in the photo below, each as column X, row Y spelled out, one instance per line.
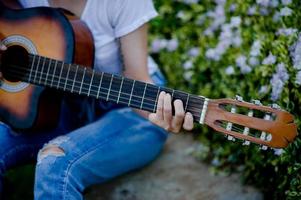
column 48, row 32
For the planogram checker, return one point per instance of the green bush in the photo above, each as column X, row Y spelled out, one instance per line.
column 251, row 48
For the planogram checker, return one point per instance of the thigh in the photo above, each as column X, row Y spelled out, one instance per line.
column 118, row 142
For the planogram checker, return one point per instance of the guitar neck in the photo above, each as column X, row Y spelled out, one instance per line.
column 109, row 87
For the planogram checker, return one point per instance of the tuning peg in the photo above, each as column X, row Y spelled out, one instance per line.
column 231, row 138
column 263, row 147
column 275, row 106
column 257, row 102
column 239, row 98
column 269, row 137
column 247, row 143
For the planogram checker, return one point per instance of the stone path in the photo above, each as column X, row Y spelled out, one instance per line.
column 175, row 175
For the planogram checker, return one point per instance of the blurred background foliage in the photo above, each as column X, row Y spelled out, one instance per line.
column 251, row 48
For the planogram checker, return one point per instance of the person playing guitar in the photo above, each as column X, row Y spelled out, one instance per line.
column 121, row 139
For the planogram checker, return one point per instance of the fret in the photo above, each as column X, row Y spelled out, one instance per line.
column 99, row 87
column 60, row 76
column 74, row 78
column 149, row 97
column 141, row 105
column 48, row 69
column 106, row 81
column 181, row 96
column 81, row 85
column 55, row 65
column 66, row 79
column 31, row 68
column 42, row 70
column 107, row 99
column 136, row 100
column 172, row 94
column 36, row 70
column 120, row 89
column 115, row 88
column 126, row 91
column 195, row 106
column 187, row 102
column 91, row 83
column 156, row 102
column 131, row 93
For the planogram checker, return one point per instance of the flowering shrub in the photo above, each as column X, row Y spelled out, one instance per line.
column 251, row 48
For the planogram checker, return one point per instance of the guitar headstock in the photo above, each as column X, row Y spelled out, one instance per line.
column 251, row 122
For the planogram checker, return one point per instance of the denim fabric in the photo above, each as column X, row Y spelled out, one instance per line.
column 107, row 146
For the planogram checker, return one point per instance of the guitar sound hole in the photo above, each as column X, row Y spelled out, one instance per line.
column 14, row 64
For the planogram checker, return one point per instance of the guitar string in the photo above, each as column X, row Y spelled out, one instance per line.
column 192, row 104
column 62, row 65
column 190, row 108
column 234, row 128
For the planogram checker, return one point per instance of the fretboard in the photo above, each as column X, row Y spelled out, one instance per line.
column 109, row 87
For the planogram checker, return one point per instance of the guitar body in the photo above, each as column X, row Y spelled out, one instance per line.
column 47, row 32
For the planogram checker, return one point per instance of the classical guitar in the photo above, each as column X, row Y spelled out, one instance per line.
column 42, row 44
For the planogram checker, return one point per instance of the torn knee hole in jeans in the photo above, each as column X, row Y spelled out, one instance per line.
column 52, row 149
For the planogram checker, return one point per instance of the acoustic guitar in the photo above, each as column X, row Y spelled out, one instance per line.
column 44, row 42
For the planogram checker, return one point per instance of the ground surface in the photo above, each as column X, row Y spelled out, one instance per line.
column 175, row 175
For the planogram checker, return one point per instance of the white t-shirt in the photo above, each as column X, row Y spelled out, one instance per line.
column 109, row 20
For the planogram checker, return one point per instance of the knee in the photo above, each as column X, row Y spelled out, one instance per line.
column 52, row 154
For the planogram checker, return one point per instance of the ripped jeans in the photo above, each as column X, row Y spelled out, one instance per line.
column 68, row 162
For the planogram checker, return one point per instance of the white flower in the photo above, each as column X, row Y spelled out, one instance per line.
column 276, row 17
column 180, row 15
column 188, row 65
column 253, row 61
column 235, row 21
column 233, row 7
column 278, row 152
column 187, row 75
column 264, row 11
column 172, row 45
column 194, row 52
column 158, row 44
column 255, row 49
column 237, row 41
column 282, row 72
column 286, row 2
column 298, row 78
column 286, row 11
column 241, row 61
column 271, row 59
column 274, row 3
column 211, row 54
column 295, row 52
column 277, row 87
column 190, row 1
column 252, row 10
column 229, row 70
column 263, row 2
column 245, row 69
column 286, row 31
column 263, row 89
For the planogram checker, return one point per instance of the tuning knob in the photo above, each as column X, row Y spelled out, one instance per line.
column 263, row 147
column 239, row 98
column 231, row 138
column 257, row 102
column 247, row 143
column 275, row 106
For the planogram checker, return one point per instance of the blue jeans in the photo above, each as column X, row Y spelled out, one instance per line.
column 115, row 143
